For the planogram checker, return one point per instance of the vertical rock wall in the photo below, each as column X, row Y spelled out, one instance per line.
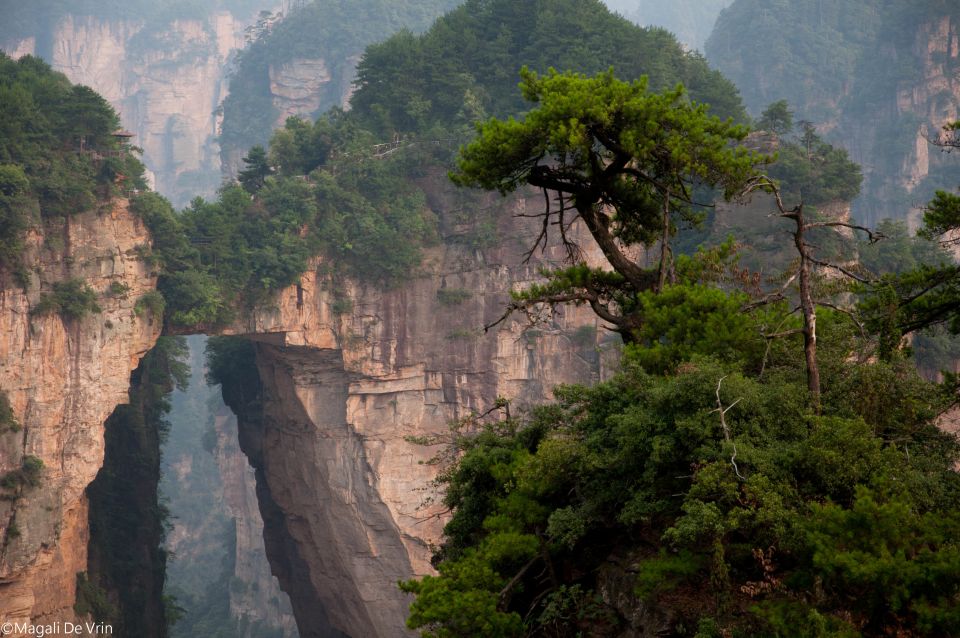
column 347, row 497
column 219, row 571
column 63, row 379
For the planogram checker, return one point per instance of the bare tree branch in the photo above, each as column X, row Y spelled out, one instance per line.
column 874, row 235
column 777, row 295
column 843, row 270
column 726, row 429
column 853, row 317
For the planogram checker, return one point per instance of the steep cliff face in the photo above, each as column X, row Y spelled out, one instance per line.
column 297, row 87
column 258, row 603
column 877, row 77
column 348, row 498
column 166, row 81
column 63, row 379
column 934, row 97
column 302, row 86
column 305, row 64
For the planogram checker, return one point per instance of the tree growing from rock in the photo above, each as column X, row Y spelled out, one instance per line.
column 620, row 158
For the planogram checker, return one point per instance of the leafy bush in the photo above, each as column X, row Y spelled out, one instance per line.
column 814, row 172
column 72, row 300
column 153, row 302
column 8, row 422
column 28, row 475
column 44, row 120
column 119, row 289
column 15, row 215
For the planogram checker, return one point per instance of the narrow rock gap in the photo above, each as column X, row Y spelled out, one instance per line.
column 175, row 528
column 218, row 571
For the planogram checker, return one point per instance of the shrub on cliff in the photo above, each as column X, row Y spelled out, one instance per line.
column 28, row 475
column 72, row 300
column 8, row 421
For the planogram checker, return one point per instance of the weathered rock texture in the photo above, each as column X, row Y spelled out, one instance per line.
column 64, row 378
column 299, row 87
column 347, row 498
column 892, row 143
column 302, row 87
column 166, row 81
column 259, row 603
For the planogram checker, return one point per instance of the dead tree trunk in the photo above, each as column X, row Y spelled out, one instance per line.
column 807, row 307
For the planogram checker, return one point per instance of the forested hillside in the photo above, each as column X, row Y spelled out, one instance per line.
column 766, row 461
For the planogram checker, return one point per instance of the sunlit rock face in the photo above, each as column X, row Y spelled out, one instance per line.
column 63, row 379
column 167, row 82
column 347, row 494
column 350, row 374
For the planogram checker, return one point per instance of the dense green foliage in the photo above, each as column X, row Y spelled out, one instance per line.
column 933, row 348
column 44, row 123
column 8, row 420
column 741, row 506
column 57, row 152
column 441, row 85
column 327, row 188
column 216, row 257
column 335, row 31
column 72, row 300
column 29, row 474
column 127, row 520
column 752, row 523
column 622, row 159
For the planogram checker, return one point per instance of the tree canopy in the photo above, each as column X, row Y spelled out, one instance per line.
column 322, row 187
column 442, row 86
column 710, row 498
column 58, row 155
column 620, row 158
